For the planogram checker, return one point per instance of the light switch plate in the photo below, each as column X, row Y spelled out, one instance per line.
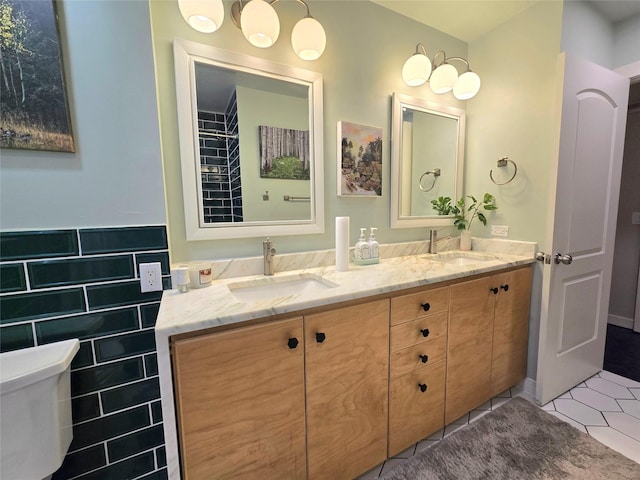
column 500, row 230
column 635, row 218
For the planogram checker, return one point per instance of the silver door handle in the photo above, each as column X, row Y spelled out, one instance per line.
column 565, row 259
column 543, row 257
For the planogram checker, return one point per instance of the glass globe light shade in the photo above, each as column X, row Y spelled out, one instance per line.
column 443, row 78
column 205, row 16
column 467, row 86
column 260, row 24
column 308, row 39
column 416, row 70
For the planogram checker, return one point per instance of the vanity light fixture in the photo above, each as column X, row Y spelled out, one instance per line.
column 205, row 16
column 261, row 27
column 442, row 76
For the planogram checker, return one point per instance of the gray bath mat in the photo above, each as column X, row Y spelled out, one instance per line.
column 517, row 441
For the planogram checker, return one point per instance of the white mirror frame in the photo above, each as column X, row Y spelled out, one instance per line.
column 186, row 54
column 400, row 101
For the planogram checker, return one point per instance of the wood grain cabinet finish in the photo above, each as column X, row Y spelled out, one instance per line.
column 487, row 347
column 510, row 329
column 240, row 403
column 412, row 306
column 416, row 406
column 418, row 365
column 333, row 394
column 347, row 380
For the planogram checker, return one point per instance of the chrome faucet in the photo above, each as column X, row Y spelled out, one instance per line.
column 433, row 239
column 268, row 252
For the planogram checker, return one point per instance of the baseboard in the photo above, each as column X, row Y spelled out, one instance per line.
column 620, row 321
column 526, row 389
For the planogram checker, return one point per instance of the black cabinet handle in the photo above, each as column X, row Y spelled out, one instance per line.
column 425, row 306
column 505, row 287
column 494, row 290
column 293, row 342
column 424, row 358
column 422, row 387
column 425, row 332
column 320, row 337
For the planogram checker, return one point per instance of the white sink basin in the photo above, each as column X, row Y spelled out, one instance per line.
column 279, row 286
column 460, row 259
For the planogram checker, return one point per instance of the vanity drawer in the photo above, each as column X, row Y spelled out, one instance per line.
column 414, row 414
column 409, row 307
column 412, row 358
column 418, row 331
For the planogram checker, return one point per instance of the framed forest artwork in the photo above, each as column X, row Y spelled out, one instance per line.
column 284, row 153
column 34, row 112
column 359, row 160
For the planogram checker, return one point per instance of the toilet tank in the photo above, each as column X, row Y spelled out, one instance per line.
column 35, row 409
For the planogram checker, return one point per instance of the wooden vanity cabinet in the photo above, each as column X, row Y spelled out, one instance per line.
column 347, row 365
column 487, row 347
column 240, row 402
column 333, row 393
column 417, row 366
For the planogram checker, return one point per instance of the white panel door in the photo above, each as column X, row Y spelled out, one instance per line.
column 583, row 210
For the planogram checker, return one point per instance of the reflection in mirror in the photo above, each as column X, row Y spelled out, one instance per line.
column 427, row 160
column 250, row 142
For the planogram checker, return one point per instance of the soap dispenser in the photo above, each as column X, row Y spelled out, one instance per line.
column 374, row 246
column 362, row 251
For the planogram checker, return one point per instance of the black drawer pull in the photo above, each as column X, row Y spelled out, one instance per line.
column 293, row 342
column 424, row 358
column 425, row 306
column 320, row 337
column 505, row 287
column 422, row 387
column 494, row 290
column 425, row 332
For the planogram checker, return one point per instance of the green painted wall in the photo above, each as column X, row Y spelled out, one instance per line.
column 434, row 140
column 255, row 108
column 366, row 48
column 514, row 115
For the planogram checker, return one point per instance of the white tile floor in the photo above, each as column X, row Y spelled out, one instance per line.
column 606, row 406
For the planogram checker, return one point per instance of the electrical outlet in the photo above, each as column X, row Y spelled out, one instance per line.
column 150, row 277
column 500, row 230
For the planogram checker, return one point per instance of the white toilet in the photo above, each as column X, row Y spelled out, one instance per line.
column 35, row 410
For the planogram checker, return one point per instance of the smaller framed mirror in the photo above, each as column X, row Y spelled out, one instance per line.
column 427, row 160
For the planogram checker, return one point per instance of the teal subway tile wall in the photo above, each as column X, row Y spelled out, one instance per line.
column 83, row 283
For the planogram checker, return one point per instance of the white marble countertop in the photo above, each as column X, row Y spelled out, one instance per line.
column 216, row 305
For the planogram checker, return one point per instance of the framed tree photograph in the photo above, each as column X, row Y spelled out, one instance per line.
column 284, row 153
column 359, row 160
column 34, row 112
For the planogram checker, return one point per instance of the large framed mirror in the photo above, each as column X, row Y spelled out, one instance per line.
column 250, row 144
column 427, row 160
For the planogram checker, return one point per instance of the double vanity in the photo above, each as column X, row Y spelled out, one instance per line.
column 314, row 373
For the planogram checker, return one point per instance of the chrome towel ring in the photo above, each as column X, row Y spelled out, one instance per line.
column 436, row 173
column 502, row 162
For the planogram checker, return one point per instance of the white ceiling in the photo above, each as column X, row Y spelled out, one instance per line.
column 470, row 19
column 616, row 10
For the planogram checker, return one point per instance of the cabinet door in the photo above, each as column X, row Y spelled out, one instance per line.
column 511, row 328
column 347, row 374
column 469, row 346
column 414, row 413
column 240, row 401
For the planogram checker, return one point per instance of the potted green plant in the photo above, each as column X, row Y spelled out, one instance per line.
column 464, row 215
